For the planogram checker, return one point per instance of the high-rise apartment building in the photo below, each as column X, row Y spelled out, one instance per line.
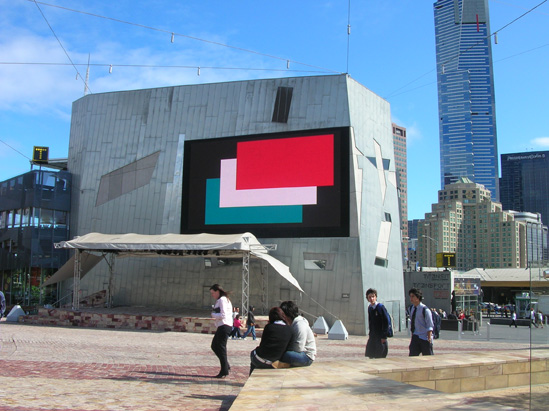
column 399, row 142
column 467, row 123
column 466, row 221
column 536, row 237
column 525, row 182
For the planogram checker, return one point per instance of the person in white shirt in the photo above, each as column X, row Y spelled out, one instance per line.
column 513, row 319
column 222, row 313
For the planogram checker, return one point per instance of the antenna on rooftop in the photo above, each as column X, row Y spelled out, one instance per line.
column 86, row 89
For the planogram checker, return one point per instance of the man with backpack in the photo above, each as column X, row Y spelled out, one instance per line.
column 421, row 325
column 380, row 327
column 437, row 321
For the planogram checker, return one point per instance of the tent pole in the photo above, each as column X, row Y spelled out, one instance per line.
column 265, row 281
column 245, row 283
column 76, row 282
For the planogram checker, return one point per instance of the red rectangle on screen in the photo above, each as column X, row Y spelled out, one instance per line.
column 285, row 162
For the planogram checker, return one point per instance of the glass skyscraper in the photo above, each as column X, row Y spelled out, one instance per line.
column 467, row 123
column 525, row 182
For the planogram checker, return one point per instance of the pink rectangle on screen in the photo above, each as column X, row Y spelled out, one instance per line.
column 286, row 162
column 229, row 196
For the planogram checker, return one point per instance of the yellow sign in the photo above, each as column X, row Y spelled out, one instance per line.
column 446, row 259
column 40, row 155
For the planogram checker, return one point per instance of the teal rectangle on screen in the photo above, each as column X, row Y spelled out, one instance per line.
column 246, row 215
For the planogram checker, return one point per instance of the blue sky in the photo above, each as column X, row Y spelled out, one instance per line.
column 391, row 52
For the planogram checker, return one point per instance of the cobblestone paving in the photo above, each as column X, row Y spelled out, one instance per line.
column 65, row 369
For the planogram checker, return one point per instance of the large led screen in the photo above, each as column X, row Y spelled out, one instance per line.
column 272, row 185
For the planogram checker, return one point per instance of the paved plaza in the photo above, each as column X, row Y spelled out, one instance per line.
column 58, row 368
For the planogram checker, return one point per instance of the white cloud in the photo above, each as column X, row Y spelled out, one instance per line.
column 540, row 142
column 51, row 89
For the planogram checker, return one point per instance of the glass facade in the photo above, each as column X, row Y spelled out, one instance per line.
column 34, row 214
column 467, row 124
column 525, row 182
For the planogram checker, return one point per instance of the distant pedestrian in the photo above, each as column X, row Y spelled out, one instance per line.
column 540, row 319
column 250, row 323
column 533, row 318
column 235, row 333
column 2, row 304
column 377, row 346
column 513, row 319
column 421, row 325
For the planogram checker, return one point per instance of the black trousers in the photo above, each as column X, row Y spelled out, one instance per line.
column 375, row 348
column 419, row 346
column 219, row 346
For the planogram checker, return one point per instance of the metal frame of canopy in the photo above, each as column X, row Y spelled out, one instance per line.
column 173, row 245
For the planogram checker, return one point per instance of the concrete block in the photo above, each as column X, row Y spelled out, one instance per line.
column 467, row 372
column 442, row 374
column 540, row 377
column 416, row 375
column 538, row 366
column 15, row 313
column 495, row 369
column 517, row 380
column 516, row 368
column 338, row 331
column 448, row 386
column 473, row 384
column 320, row 326
column 496, row 381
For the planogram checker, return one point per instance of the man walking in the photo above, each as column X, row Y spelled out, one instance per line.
column 421, row 325
column 250, row 322
column 377, row 346
column 513, row 319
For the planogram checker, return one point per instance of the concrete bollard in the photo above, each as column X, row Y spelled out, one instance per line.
column 488, row 331
column 460, row 327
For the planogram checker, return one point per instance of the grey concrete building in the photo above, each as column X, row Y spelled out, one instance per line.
column 158, row 161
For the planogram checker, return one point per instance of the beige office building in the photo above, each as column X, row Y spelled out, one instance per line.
column 466, row 221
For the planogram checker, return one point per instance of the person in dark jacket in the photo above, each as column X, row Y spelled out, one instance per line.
column 377, row 346
column 250, row 323
column 274, row 341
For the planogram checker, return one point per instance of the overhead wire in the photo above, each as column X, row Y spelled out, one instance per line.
column 14, row 149
column 59, row 41
column 155, row 66
column 434, row 82
column 459, row 54
column 288, row 61
column 173, row 34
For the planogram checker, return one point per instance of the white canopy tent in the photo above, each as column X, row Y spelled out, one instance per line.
column 171, row 245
